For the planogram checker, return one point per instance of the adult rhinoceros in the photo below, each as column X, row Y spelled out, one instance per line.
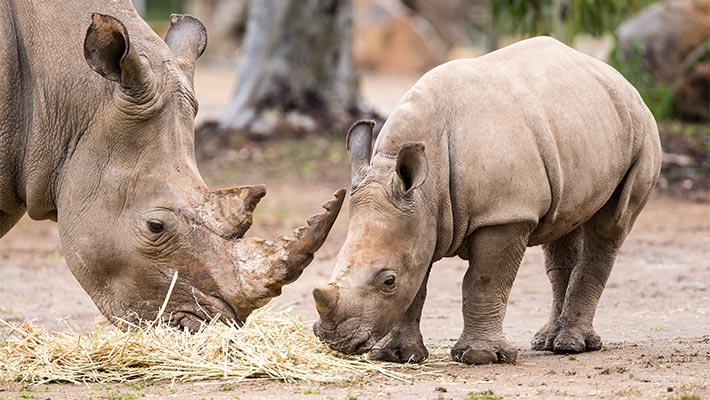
column 96, row 133
column 532, row 144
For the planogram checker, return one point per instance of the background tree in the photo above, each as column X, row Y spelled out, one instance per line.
column 296, row 74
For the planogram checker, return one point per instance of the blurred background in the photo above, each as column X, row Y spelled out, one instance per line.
column 278, row 70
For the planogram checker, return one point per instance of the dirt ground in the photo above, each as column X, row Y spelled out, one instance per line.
column 654, row 316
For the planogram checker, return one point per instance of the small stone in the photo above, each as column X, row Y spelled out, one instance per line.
column 444, row 390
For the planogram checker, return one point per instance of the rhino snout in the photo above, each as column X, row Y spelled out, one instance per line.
column 358, row 343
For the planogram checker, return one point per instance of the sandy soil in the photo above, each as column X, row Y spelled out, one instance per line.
column 654, row 316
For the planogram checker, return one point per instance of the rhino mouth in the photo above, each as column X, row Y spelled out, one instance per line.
column 357, row 343
column 362, row 346
column 192, row 320
column 187, row 321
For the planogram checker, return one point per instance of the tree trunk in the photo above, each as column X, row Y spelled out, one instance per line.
column 297, row 74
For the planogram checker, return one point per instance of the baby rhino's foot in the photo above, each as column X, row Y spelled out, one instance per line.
column 470, row 351
column 400, row 347
column 544, row 338
column 576, row 340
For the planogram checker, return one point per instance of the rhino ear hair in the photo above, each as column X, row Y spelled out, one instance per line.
column 187, row 37
column 359, row 144
column 108, row 51
column 412, row 166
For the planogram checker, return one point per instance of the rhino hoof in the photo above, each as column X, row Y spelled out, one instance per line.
column 538, row 343
column 404, row 354
column 576, row 341
column 484, row 352
column 544, row 339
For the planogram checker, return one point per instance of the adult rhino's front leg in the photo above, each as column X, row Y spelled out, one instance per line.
column 494, row 254
column 404, row 343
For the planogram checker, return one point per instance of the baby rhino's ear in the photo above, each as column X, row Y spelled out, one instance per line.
column 412, row 166
column 359, row 145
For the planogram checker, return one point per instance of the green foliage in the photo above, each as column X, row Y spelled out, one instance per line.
column 161, row 9
column 124, row 396
column 228, row 387
column 684, row 397
column 563, row 19
column 616, row 370
column 485, row 395
column 658, row 96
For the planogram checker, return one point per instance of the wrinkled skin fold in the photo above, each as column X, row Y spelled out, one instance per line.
column 96, row 133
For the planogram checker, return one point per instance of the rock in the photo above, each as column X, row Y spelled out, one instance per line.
column 692, row 86
column 672, row 36
column 668, row 31
column 390, row 37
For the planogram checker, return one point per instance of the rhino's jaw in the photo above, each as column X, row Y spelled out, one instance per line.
column 359, row 342
column 187, row 306
column 341, row 331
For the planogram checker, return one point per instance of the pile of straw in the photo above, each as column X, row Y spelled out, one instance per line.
column 270, row 345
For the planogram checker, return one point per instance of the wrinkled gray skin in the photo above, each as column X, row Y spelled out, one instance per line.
column 533, row 144
column 96, row 133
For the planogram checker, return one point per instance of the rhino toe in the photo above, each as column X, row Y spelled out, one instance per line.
column 484, row 352
column 544, row 339
column 405, row 354
column 401, row 347
column 576, row 341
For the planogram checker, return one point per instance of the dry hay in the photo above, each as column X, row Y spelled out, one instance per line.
column 270, row 345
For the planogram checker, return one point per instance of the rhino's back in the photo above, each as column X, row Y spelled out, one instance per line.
column 536, row 132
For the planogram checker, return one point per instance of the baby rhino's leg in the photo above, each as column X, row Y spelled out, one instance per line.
column 574, row 331
column 561, row 257
column 494, row 257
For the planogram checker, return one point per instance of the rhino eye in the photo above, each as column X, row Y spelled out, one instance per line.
column 389, row 282
column 156, row 226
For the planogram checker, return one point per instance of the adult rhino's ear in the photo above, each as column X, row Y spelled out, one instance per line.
column 187, row 37
column 412, row 166
column 108, row 51
column 359, row 145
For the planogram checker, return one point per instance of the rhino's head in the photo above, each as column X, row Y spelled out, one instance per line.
column 133, row 209
column 388, row 249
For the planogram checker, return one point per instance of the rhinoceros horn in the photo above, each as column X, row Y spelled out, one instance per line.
column 228, row 212
column 326, row 299
column 265, row 266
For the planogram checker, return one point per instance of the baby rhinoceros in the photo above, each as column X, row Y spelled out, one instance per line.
column 533, row 144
